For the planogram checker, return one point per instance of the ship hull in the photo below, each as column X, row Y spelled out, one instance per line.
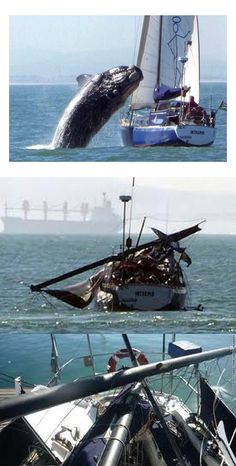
column 17, row 225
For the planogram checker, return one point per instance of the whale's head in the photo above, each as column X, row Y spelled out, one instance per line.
column 96, row 102
column 119, row 83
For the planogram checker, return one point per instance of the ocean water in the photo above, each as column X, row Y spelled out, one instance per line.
column 29, row 356
column 35, row 111
column 26, row 260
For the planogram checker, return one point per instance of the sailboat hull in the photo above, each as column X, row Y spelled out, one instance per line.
column 184, row 135
column 143, row 297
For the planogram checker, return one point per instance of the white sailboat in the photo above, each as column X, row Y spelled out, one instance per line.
column 169, row 57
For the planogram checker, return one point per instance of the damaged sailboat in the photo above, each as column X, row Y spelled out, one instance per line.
column 117, row 419
column 147, row 277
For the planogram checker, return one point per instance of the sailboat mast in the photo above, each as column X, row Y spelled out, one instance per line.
column 129, row 240
column 199, row 51
column 124, row 199
column 159, row 54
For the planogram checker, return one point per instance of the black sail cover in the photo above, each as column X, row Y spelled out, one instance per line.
column 214, row 410
column 80, row 294
column 70, row 298
column 89, row 450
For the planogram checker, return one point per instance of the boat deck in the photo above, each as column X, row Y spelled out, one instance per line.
column 6, row 392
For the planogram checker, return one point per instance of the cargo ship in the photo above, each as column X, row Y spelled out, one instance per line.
column 99, row 220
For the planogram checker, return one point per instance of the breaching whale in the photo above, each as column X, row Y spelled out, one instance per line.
column 92, row 107
column 83, row 79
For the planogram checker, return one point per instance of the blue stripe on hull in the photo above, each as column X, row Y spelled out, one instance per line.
column 154, row 136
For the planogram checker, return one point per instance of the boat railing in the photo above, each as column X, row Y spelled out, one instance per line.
column 140, row 120
column 182, row 380
column 98, row 362
column 166, row 114
column 133, row 119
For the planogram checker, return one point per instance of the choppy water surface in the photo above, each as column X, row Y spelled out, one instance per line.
column 35, row 111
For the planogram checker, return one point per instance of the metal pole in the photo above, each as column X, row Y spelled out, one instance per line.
column 156, row 407
column 91, row 353
column 124, row 199
column 124, row 218
column 163, row 357
column 171, row 373
column 131, row 207
column 141, row 230
column 120, row 432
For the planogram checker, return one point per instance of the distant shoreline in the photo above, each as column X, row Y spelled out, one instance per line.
column 71, row 83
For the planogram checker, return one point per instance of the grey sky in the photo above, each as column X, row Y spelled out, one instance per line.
column 169, row 203
column 70, row 45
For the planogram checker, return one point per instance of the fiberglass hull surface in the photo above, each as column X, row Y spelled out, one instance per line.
column 143, row 297
column 186, row 135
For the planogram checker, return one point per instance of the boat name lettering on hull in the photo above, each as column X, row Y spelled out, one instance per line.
column 195, row 131
column 144, row 293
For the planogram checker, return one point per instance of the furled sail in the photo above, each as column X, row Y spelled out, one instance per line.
column 130, row 412
column 164, row 40
column 166, row 93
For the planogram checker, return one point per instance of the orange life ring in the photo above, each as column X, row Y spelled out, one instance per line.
column 123, row 353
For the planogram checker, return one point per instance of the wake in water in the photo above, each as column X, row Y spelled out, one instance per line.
column 41, row 147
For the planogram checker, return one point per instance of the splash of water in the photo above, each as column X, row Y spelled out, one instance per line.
column 58, row 135
column 41, row 147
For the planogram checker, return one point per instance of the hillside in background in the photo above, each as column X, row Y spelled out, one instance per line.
column 44, row 67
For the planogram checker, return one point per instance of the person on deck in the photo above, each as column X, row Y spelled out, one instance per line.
column 195, row 113
column 192, row 104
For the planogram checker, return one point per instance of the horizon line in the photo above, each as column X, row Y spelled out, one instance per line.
column 52, row 83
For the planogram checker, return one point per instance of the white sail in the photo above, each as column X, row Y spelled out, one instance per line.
column 224, row 445
column 147, row 61
column 164, row 40
column 192, row 67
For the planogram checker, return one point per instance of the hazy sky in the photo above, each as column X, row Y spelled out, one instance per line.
column 169, row 203
column 70, row 45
